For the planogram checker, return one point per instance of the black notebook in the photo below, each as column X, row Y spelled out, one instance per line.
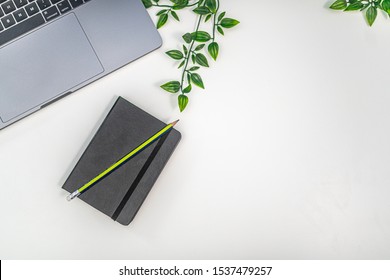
column 121, row 193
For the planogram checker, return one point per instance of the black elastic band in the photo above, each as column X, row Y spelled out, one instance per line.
column 139, row 176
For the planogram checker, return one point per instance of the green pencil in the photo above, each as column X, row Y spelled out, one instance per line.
column 117, row 164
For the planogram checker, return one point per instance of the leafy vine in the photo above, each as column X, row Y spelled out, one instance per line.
column 370, row 7
column 191, row 58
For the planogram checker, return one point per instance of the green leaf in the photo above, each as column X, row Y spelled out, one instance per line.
column 201, row 36
column 162, row 20
column 147, row 3
column 197, row 80
column 187, row 89
column 175, row 54
column 221, row 16
column 229, row 22
column 183, row 102
column 180, row 4
column 213, row 50
column 339, row 5
column 212, row 5
column 175, row 16
column 220, row 30
column 201, row 60
column 161, row 12
column 354, row 6
column 208, row 17
column 185, row 50
column 202, row 11
column 172, row 87
column 198, row 48
column 371, row 15
column 386, row 6
column 187, row 38
column 182, row 64
column 194, row 68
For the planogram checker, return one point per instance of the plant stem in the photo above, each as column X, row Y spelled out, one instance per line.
column 162, row 6
column 188, row 56
column 171, row 6
column 215, row 19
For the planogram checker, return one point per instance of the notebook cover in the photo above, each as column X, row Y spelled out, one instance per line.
column 121, row 193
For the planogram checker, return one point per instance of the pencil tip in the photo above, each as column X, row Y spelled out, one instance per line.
column 72, row 195
column 175, row 122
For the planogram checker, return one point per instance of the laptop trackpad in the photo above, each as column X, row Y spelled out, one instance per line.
column 45, row 64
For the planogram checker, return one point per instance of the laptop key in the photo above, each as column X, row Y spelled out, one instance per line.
column 51, row 13
column 21, row 28
column 8, row 7
column 43, row 4
column 55, row 1
column 76, row 3
column 32, row 9
column 64, row 6
column 20, row 3
column 20, row 15
column 8, row 21
column 1, row 27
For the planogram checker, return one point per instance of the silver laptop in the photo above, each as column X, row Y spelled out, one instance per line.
column 50, row 48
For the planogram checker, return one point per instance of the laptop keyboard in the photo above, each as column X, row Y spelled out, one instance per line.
column 20, row 16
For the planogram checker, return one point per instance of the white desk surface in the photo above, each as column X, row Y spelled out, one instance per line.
column 285, row 155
